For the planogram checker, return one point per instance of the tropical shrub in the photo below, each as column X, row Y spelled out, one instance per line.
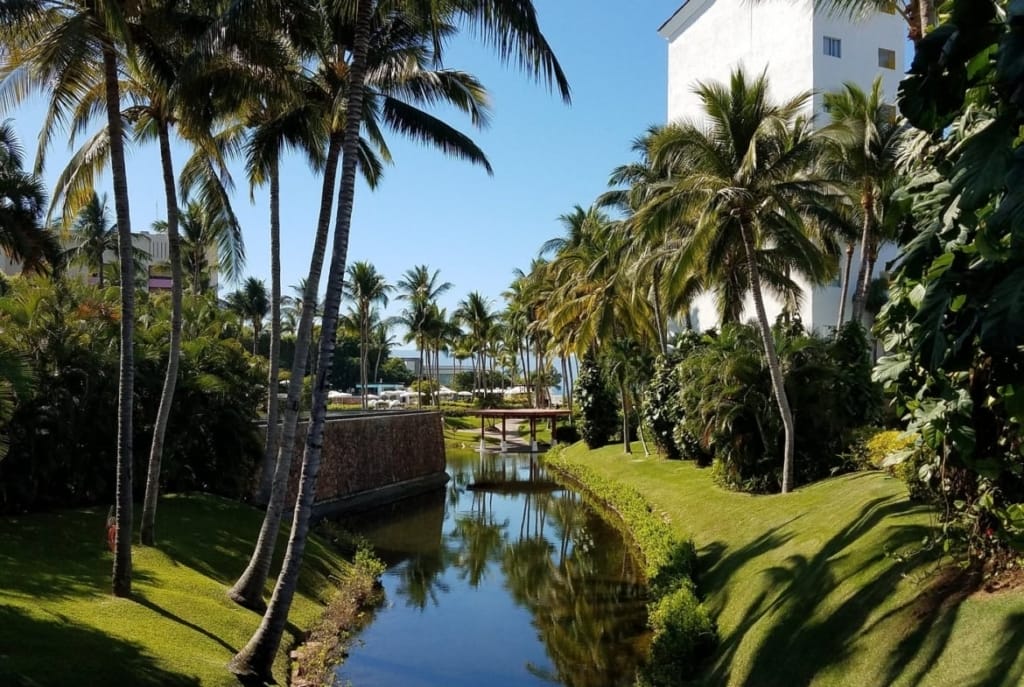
column 661, row 412
column 731, row 415
column 955, row 319
column 62, row 432
column 684, row 635
column 566, row 434
column 595, row 403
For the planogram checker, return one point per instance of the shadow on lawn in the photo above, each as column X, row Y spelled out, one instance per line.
column 803, row 640
column 57, row 556
column 36, row 652
column 200, row 533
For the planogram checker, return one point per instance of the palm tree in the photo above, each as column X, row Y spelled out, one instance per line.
column 252, row 304
column 866, row 137
column 398, row 79
column 61, row 48
column 366, row 287
column 920, row 15
column 513, row 29
column 475, row 312
column 22, row 199
column 93, row 235
column 745, row 180
column 421, row 289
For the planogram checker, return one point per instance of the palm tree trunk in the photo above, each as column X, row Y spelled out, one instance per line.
column 774, row 367
column 364, row 351
column 273, row 431
column 100, row 273
column 658, row 319
column 626, row 448
column 122, row 572
column 163, row 413
column 844, row 290
column 257, row 658
column 863, row 275
column 248, row 589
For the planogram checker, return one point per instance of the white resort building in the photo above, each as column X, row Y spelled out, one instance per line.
column 799, row 49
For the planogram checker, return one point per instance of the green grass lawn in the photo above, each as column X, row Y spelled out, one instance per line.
column 59, row 624
column 804, row 593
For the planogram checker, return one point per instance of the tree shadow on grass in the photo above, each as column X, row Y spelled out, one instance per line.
column 159, row 610
column 1008, row 669
column 803, row 639
column 200, row 533
column 41, row 652
column 56, row 556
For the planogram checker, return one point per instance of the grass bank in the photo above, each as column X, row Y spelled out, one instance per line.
column 59, row 624
column 804, row 592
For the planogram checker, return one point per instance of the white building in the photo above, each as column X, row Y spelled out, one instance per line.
column 154, row 256
column 800, row 50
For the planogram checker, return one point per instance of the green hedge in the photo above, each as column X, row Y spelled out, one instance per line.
column 684, row 634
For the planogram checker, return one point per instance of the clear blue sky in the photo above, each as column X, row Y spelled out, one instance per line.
column 432, row 210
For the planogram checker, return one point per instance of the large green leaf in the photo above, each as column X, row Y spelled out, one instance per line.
column 1003, row 325
column 985, row 160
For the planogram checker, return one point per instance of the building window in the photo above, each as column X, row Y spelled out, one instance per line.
column 833, row 46
column 886, row 58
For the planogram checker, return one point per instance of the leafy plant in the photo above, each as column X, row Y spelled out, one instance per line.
column 598, row 412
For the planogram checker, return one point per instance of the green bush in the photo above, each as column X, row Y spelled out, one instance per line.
column 731, row 413
column 566, row 434
column 660, row 409
column 598, row 411
column 684, row 635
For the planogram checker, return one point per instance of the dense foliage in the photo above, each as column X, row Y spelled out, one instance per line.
column 955, row 321
column 728, row 414
column 61, row 432
column 598, row 415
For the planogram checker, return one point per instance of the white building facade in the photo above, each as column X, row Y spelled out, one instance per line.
column 800, row 50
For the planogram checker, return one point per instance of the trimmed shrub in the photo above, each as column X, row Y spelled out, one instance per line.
column 661, row 406
column 598, row 411
column 684, row 635
column 566, row 434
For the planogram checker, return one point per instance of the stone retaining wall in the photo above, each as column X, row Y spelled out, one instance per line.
column 372, row 458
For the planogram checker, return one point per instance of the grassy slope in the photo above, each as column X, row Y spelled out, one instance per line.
column 803, row 591
column 59, row 625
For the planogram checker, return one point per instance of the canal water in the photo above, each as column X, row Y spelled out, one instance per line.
column 501, row 579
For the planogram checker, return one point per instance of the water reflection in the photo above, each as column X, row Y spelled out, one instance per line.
column 501, row 579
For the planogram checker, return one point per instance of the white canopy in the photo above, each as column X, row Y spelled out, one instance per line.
column 337, row 395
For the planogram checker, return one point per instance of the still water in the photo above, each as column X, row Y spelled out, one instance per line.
column 503, row 578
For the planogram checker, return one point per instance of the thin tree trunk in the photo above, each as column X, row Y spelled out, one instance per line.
column 163, row 413
column 101, row 271
column 774, row 367
column 364, row 351
column 626, row 448
column 257, row 658
column 273, row 431
column 248, row 589
column 844, row 290
column 640, row 431
column 863, row 276
column 658, row 319
column 929, row 17
column 122, row 571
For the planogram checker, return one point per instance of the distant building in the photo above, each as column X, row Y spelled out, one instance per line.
column 800, row 49
column 155, row 261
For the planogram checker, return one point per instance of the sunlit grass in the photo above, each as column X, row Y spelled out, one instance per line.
column 59, row 624
column 803, row 589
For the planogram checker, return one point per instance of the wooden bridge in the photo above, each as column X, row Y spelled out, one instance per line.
column 534, row 415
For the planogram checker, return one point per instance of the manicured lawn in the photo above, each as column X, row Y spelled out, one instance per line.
column 59, row 624
column 804, row 592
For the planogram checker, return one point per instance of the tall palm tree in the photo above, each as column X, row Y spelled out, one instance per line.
column 252, row 304
column 22, row 199
column 513, row 29
column 865, row 137
column 746, row 179
column 475, row 312
column 93, row 235
column 366, row 287
column 421, row 288
column 398, row 78
column 61, row 48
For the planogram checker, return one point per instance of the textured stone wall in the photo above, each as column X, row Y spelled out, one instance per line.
column 365, row 453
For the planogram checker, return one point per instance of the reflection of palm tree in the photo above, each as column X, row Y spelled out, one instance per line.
column 421, row 579
column 482, row 540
